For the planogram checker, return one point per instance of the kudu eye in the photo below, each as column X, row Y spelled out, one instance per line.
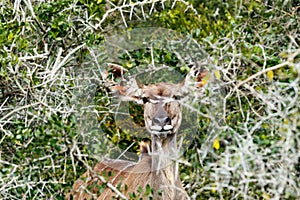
column 145, row 99
column 177, row 97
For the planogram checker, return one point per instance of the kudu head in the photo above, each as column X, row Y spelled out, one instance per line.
column 161, row 101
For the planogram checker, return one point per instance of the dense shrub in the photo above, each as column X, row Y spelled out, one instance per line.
column 57, row 119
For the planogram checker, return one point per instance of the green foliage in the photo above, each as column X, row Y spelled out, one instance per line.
column 38, row 153
column 248, row 136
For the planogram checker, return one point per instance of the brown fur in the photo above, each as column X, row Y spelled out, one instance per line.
column 134, row 175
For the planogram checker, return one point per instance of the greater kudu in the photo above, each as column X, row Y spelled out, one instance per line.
column 156, row 168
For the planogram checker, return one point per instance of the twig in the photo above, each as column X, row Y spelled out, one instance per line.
column 289, row 61
column 260, row 73
column 65, row 59
column 18, row 109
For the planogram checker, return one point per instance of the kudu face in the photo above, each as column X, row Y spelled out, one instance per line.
column 162, row 110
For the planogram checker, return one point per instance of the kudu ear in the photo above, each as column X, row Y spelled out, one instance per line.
column 125, row 89
column 197, row 77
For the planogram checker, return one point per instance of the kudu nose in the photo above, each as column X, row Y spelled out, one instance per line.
column 161, row 121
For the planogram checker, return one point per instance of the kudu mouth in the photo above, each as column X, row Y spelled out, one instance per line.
column 161, row 130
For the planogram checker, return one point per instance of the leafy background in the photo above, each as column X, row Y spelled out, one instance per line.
column 254, row 46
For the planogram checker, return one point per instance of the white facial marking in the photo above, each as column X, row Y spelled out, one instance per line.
column 156, row 128
column 168, row 127
column 153, row 101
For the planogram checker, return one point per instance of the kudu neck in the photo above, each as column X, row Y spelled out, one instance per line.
column 165, row 173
